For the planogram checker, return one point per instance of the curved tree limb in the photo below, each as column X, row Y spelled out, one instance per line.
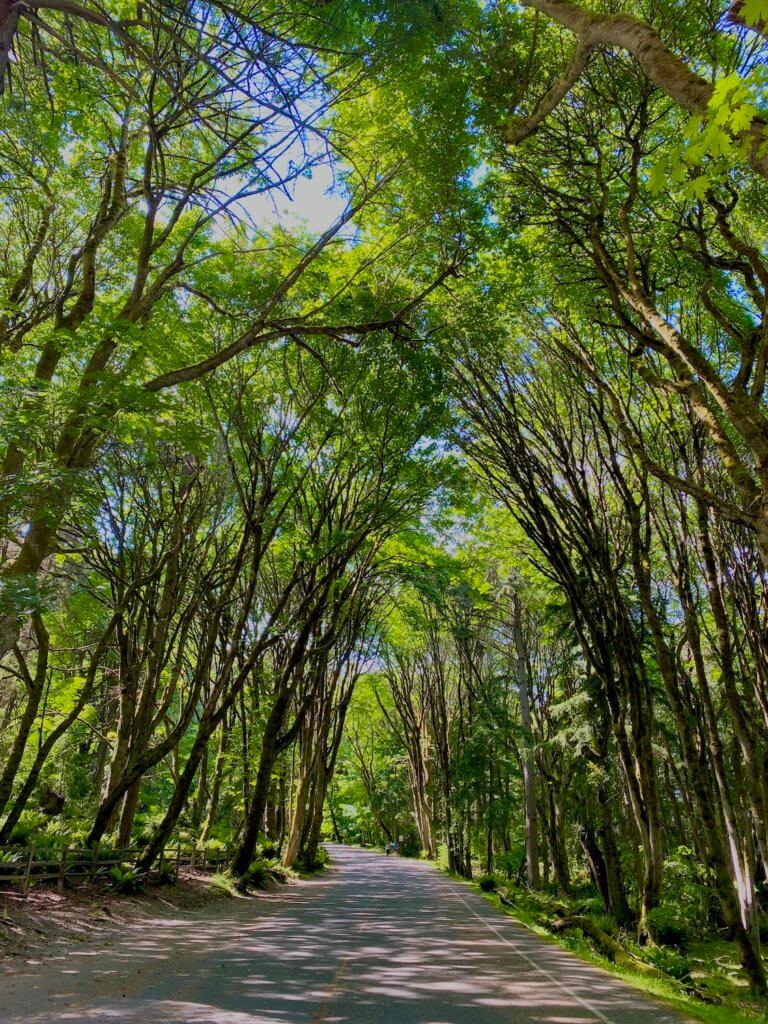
column 518, row 128
column 662, row 66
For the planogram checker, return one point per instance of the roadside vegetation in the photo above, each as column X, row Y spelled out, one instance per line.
column 697, row 975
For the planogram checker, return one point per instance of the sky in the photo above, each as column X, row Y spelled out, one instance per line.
column 315, row 203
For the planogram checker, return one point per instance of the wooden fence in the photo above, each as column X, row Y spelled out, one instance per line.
column 28, row 865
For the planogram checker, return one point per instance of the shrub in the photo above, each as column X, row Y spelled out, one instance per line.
column 508, row 864
column 27, row 828
column 670, row 962
column 145, row 824
column 668, row 926
column 166, row 873
column 222, row 881
column 321, row 858
column 278, row 872
column 51, row 840
column 488, row 883
column 687, row 887
column 258, row 874
column 606, row 924
column 592, row 905
column 268, row 851
column 57, row 834
column 127, row 879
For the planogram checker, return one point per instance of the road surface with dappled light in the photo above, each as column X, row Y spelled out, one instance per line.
column 375, row 941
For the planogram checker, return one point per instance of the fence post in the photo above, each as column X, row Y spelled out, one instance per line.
column 28, row 869
column 62, row 869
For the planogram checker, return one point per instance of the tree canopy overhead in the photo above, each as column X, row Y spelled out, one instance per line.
column 447, row 519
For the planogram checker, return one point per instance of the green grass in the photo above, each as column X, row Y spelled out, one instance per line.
column 715, row 966
column 222, row 881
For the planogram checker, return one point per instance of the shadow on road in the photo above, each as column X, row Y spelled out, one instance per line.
column 376, row 941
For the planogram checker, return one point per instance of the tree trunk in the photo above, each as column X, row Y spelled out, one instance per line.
column 128, row 814
column 218, row 776
column 9, row 17
column 16, row 754
column 557, row 847
column 529, row 771
column 293, row 847
column 254, row 821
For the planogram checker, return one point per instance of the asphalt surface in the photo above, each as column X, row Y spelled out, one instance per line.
column 375, row 941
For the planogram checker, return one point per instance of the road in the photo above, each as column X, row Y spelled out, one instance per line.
column 375, row 941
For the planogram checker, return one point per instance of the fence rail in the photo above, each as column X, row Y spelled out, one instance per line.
column 27, row 865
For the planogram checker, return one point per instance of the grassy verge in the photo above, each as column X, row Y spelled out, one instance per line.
column 223, row 882
column 713, row 992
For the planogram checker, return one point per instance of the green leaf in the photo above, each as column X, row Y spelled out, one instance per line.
column 658, row 177
column 754, row 11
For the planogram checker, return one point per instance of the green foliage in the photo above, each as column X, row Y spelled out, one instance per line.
column 127, row 879
column 754, row 11
column 668, row 926
column 687, row 887
column 223, row 882
column 571, row 406
column 675, row 964
column 509, row 863
column 29, row 828
column 317, row 864
column 606, row 924
column 263, row 871
column 166, row 873
column 279, row 872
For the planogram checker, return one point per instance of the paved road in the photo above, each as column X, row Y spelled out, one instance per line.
column 376, row 941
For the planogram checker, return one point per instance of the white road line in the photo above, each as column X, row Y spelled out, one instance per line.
column 573, row 995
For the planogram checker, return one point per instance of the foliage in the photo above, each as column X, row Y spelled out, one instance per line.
column 166, row 873
column 127, row 879
column 264, row 870
column 28, row 828
column 668, row 926
column 223, row 882
column 316, row 863
column 259, row 874
column 675, row 964
column 441, row 521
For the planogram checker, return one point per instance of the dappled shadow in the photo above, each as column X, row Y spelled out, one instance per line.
column 376, row 941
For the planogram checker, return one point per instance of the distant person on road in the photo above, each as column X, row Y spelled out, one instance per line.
column 395, row 847
column 387, row 849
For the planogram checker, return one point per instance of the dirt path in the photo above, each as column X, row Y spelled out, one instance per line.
column 376, row 941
